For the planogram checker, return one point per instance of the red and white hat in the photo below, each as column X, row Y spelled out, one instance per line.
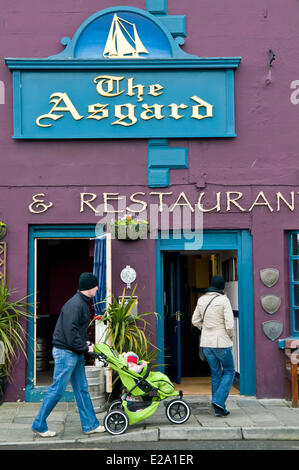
column 132, row 357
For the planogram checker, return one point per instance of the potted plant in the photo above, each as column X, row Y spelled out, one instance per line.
column 2, row 230
column 126, row 332
column 129, row 227
column 12, row 332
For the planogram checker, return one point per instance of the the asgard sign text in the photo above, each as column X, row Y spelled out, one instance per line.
column 125, row 114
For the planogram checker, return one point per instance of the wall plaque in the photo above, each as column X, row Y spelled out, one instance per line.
column 271, row 303
column 269, row 276
column 272, row 329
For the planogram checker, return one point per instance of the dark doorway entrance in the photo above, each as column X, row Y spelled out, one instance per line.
column 186, row 277
column 59, row 265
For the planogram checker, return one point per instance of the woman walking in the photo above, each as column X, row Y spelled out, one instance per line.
column 214, row 316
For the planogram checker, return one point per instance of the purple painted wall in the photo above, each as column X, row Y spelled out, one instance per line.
column 263, row 157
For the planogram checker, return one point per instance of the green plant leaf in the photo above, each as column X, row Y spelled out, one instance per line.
column 13, row 318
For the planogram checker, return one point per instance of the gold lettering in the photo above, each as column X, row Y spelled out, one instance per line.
column 140, row 89
column 177, row 203
column 38, row 206
column 216, row 207
column 161, row 195
column 265, row 203
column 132, row 198
column 109, row 81
column 174, row 110
column 95, row 109
column 87, row 202
column 121, row 117
column 111, row 197
column 290, row 205
column 151, row 112
column 201, row 104
column 56, row 98
column 230, row 200
column 155, row 89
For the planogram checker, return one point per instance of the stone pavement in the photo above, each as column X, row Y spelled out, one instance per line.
column 250, row 418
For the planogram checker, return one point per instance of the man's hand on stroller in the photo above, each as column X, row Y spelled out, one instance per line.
column 96, row 355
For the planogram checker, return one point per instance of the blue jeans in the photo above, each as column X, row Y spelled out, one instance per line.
column 222, row 367
column 69, row 367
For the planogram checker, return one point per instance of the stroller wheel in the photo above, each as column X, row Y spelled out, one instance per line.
column 116, row 422
column 178, row 411
column 115, row 405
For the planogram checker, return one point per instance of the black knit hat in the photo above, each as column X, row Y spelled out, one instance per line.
column 218, row 282
column 87, row 281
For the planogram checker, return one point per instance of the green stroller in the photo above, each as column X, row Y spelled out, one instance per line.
column 147, row 388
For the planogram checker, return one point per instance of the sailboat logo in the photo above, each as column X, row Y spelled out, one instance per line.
column 123, row 40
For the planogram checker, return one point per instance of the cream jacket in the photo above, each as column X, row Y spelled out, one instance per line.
column 218, row 326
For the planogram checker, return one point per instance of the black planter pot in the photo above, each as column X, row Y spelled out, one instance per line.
column 3, row 382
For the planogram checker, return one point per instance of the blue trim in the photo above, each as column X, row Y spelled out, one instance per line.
column 91, row 64
column 281, row 341
column 36, row 394
column 161, row 159
column 241, row 241
column 176, row 25
column 246, row 314
column 179, row 328
column 292, row 283
column 33, row 393
column 230, row 102
column 156, row 6
column 17, row 115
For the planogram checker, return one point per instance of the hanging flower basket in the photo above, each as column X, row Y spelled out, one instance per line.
column 2, row 230
column 129, row 228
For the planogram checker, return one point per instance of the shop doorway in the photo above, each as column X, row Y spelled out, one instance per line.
column 186, row 276
column 217, row 249
column 59, row 265
column 57, row 256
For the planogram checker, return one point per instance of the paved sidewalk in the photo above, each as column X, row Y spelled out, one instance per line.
column 249, row 418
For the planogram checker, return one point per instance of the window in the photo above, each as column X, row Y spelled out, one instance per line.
column 294, row 282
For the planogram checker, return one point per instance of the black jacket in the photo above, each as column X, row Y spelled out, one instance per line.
column 71, row 328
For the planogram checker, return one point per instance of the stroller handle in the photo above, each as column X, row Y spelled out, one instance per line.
column 99, row 356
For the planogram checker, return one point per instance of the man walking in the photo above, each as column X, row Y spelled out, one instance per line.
column 70, row 342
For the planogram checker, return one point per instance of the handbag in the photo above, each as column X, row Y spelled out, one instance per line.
column 201, row 353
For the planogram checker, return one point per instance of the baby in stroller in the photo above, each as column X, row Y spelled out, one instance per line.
column 133, row 362
column 136, row 366
column 151, row 387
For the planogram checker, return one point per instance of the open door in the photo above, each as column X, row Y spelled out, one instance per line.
column 102, row 268
column 172, row 325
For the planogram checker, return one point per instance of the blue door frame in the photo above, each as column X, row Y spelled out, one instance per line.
column 35, row 393
column 241, row 241
column 173, row 323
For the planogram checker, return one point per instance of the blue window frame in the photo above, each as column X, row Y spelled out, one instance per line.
column 294, row 281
